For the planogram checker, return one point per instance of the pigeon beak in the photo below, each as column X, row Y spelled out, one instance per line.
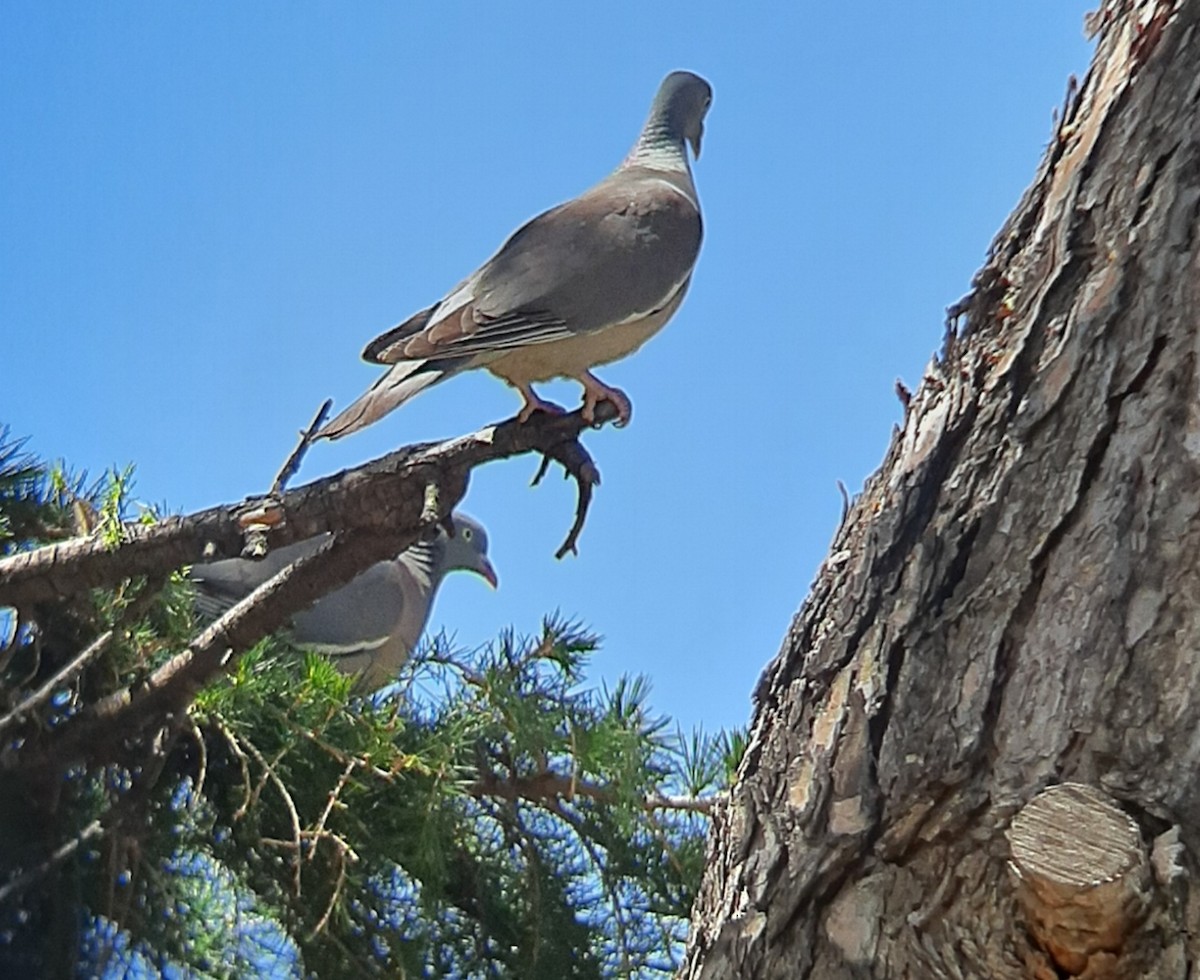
column 695, row 141
column 486, row 570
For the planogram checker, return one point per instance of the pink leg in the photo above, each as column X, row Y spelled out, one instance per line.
column 535, row 404
column 596, row 391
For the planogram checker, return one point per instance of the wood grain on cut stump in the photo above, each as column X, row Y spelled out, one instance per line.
column 1082, row 875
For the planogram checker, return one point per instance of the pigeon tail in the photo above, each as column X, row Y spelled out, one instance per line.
column 395, row 388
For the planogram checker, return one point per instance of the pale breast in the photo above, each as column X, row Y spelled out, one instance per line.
column 572, row 357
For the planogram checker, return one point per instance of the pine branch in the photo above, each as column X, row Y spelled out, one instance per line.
column 99, row 732
column 388, row 495
column 546, row 787
column 43, row 693
column 385, row 505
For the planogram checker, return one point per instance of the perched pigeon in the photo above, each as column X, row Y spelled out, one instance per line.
column 370, row 625
column 583, row 284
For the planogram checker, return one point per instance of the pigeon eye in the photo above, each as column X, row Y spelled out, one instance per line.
column 466, row 534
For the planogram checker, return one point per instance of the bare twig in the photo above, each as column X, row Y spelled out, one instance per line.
column 23, row 879
column 290, row 804
column 845, row 502
column 43, row 693
column 543, row 466
column 292, row 465
column 268, row 768
column 690, row 804
column 319, row 829
column 578, row 463
column 201, row 763
column 344, row 851
column 468, row 675
column 236, row 748
column 549, row 787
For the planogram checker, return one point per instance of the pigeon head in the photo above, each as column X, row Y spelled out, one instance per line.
column 467, row 550
column 679, row 108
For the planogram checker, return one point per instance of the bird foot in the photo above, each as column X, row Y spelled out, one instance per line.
column 596, row 391
column 535, row 404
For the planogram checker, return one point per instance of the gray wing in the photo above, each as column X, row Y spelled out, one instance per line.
column 220, row 584
column 369, row 626
column 620, row 251
column 361, row 615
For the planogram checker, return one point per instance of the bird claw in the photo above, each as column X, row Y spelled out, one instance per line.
column 596, row 391
column 535, row 404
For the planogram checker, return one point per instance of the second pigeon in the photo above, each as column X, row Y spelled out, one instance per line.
column 371, row 624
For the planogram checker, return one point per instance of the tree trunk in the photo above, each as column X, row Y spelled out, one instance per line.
column 978, row 752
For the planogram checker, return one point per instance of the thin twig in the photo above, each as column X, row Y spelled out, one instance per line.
column 43, row 693
column 344, row 851
column 339, row 756
column 23, row 879
column 333, row 798
column 546, row 787
column 845, row 502
column 236, row 749
column 543, row 466
column 469, row 676
column 292, row 466
column 268, row 770
column 578, row 463
column 346, row 854
column 201, row 763
column 691, row 804
column 291, row 808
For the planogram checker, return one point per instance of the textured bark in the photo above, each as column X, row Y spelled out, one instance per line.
column 1014, row 600
column 389, row 495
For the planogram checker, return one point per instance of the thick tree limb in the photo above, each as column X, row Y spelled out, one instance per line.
column 386, row 495
column 375, row 511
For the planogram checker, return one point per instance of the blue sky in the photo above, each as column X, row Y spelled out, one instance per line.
column 207, row 210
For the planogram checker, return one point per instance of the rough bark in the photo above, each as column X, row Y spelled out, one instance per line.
column 1014, row 600
column 393, row 494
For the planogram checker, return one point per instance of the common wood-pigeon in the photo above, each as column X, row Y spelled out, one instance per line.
column 370, row 625
column 582, row 284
